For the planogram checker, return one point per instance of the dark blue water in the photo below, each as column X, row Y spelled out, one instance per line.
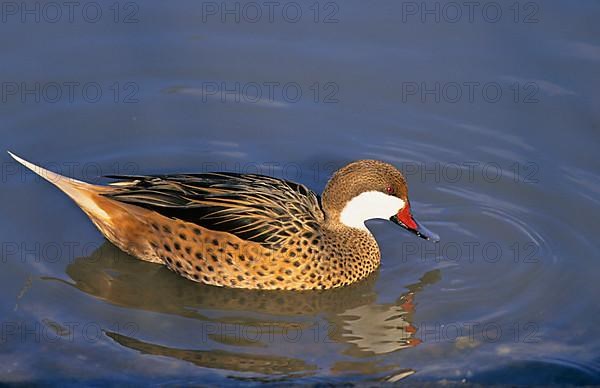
column 491, row 112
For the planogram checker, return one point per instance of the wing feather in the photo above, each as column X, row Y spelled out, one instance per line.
column 253, row 207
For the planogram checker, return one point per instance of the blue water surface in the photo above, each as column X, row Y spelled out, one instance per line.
column 491, row 110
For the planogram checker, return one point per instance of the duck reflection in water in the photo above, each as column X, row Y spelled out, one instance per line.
column 351, row 316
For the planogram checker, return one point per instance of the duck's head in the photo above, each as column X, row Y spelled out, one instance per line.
column 370, row 189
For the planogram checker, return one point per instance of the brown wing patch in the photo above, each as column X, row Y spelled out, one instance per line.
column 254, row 208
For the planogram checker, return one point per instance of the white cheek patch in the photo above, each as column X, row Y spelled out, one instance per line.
column 370, row 205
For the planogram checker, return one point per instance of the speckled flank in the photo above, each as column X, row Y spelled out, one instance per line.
column 222, row 259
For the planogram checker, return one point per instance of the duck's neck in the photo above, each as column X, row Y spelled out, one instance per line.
column 353, row 245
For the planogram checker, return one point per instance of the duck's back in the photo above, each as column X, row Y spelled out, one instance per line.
column 255, row 208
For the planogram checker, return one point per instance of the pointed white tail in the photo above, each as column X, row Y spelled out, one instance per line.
column 81, row 192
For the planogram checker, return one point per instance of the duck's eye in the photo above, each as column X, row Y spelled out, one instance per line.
column 389, row 190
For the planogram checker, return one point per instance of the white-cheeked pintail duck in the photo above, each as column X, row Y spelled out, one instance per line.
column 249, row 231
